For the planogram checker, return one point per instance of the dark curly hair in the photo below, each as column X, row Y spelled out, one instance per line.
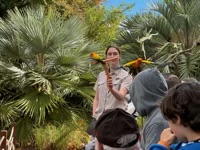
column 183, row 101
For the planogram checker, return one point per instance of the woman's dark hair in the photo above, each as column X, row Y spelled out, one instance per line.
column 117, row 48
column 183, row 101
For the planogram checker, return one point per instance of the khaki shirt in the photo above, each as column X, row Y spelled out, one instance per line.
column 121, row 78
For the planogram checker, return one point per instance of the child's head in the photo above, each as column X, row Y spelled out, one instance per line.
column 117, row 129
column 182, row 104
column 172, row 80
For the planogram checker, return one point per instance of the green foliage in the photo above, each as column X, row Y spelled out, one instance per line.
column 8, row 113
column 140, row 121
column 6, row 5
column 175, row 25
column 104, row 24
column 44, row 69
column 61, row 137
column 68, row 8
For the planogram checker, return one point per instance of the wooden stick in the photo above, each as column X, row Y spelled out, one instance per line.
column 109, row 59
column 106, row 70
column 106, row 67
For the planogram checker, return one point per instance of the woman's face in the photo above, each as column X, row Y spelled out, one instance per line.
column 113, row 52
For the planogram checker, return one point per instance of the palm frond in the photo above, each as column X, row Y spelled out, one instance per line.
column 47, row 69
column 17, row 72
column 36, row 105
column 8, row 113
column 24, row 127
column 188, row 66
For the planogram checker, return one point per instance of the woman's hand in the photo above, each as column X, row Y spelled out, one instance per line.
column 110, row 83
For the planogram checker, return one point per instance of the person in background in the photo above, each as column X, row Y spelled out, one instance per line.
column 189, row 79
column 111, row 92
column 171, row 80
column 181, row 108
column 147, row 91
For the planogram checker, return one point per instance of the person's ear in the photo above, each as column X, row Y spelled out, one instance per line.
column 178, row 121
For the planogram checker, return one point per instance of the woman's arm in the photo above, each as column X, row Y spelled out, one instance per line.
column 121, row 93
column 95, row 102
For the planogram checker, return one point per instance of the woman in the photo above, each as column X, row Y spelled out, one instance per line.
column 111, row 92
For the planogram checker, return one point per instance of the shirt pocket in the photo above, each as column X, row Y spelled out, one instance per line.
column 117, row 84
column 101, row 84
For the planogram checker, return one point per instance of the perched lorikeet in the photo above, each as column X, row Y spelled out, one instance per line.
column 97, row 59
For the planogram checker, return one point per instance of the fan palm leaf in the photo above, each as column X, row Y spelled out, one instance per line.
column 8, row 113
column 47, row 62
column 177, row 24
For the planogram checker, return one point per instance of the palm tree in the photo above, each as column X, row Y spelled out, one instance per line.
column 177, row 25
column 44, row 70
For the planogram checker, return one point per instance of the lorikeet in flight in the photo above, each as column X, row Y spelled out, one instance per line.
column 135, row 65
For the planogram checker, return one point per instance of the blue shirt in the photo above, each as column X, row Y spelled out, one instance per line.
column 180, row 146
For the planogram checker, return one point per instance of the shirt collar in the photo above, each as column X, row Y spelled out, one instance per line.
column 115, row 71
